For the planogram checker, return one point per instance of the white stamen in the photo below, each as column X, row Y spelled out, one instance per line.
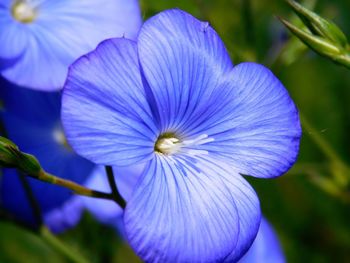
column 201, row 139
column 59, row 137
column 23, row 12
column 172, row 145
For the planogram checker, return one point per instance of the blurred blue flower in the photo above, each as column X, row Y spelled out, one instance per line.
column 174, row 101
column 41, row 38
column 106, row 211
column 32, row 121
column 265, row 248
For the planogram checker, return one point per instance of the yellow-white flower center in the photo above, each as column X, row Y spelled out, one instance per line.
column 23, row 12
column 169, row 145
column 60, row 138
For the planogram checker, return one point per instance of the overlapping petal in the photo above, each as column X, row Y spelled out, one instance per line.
column 61, row 32
column 256, row 125
column 38, row 108
column 266, row 247
column 189, row 201
column 13, row 36
column 105, row 113
column 247, row 204
column 182, row 59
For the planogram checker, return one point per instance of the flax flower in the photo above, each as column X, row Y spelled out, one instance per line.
column 174, row 101
column 40, row 38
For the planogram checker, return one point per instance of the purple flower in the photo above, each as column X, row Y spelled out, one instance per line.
column 40, row 39
column 174, row 101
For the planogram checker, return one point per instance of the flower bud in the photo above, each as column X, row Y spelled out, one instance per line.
column 319, row 25
column 12, row 157
column 8, row 153
column 29, row 165
column 323, row 36
column 320, row 45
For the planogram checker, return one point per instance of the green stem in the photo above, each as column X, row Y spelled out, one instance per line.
column 330, row 186
column 76, row 188
column 31, row 198
column 344, row 59
column 319, row 140
column 327, row 149
column 315, row 172
column 60, row 247
column 248, row 21
column 12, row 157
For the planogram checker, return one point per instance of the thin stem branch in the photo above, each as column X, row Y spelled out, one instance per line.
column 32, row 200
column 115, row 193
column 320, row 141
column 76, row 188
column 327, row 149
column 248, row 21
column 34, row 205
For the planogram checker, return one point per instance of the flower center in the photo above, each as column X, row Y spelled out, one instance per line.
column 60, row 138
column 169, row 144
column 23, row 12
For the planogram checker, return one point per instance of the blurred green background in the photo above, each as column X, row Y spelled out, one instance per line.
column 309, row 206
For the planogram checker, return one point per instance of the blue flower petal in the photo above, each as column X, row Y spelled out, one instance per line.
column 61, row 32
column 13, row 36
column 190, row 210
column 256, row 126
column 35, row 107
column 248, row 207
column 183, row 59
column 105, row 113
column 266, row 247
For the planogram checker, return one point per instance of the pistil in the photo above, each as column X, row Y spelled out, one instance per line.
column 23, row 12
